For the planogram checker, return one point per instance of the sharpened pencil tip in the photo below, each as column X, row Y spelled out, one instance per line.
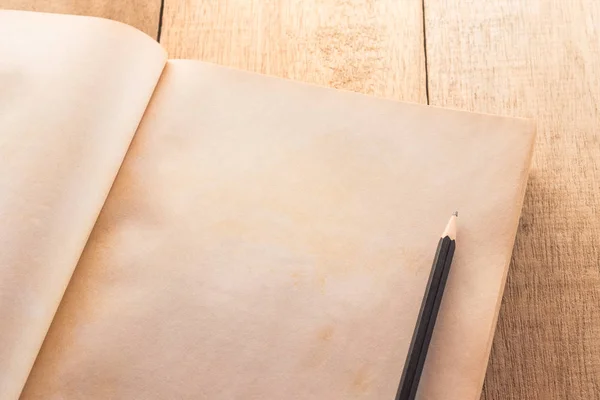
column 455, row 213
column 450, row 230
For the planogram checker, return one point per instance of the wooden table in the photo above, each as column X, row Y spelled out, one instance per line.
column 530, row 58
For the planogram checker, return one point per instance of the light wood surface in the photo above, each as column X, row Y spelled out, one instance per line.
column 374, row 47
column 538, row 59
column 142, row 14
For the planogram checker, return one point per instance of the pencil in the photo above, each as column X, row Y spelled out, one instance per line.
column 417, row 351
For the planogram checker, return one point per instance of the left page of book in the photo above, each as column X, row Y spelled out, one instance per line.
column 72, row 93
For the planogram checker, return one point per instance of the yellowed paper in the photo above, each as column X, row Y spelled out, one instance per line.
column 72, row 92
column 271, row 240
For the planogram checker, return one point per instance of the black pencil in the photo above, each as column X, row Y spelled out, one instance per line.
column 417, row 351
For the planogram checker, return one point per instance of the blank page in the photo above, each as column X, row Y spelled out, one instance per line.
column 72, row 93
column 267, row 239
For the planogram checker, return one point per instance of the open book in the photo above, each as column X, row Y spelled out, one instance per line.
column 181, row 230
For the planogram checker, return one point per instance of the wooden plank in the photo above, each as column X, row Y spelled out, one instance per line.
column 141, row 14
column 360, row 45
column 538, row 59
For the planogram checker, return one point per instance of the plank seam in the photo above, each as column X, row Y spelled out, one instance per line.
column 160, row 20
column 424, row 52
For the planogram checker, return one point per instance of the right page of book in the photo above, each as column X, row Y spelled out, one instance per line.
column 267, row 239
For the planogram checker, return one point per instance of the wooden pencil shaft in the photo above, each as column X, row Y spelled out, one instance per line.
column 432, row 320
column 421, row 326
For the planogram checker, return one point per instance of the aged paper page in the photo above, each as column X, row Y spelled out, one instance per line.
column 272, row 240
column 72, row 92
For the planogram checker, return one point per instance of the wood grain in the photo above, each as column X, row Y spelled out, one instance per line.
column 374, row 47
column 141, row 14
column 538, row 59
